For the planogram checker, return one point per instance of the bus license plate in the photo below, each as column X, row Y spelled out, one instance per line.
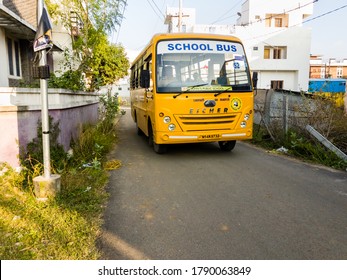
column 209, row 136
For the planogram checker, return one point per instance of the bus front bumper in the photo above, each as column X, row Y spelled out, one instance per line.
column 165, row 138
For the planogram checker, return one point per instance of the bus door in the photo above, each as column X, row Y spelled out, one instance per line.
column 146, row 96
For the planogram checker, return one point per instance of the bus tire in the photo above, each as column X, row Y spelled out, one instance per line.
column 227, row 146
column 158, row 148
column 150, row 135
column 138, row 130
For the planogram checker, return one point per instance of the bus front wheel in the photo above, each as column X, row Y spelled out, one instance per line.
column 227, row 146
column 158, row 148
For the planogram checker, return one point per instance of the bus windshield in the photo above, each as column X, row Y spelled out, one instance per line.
column 201, row 66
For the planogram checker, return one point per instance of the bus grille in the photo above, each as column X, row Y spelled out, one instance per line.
column 206, row 122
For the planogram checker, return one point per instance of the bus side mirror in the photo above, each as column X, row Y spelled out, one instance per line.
column 144, row 79
column 255, row 79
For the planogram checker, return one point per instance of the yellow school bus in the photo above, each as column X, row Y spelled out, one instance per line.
column 191, row 88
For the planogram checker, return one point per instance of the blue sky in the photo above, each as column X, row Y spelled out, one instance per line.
column 143, row 18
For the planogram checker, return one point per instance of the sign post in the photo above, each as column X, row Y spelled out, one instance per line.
column 46, row 185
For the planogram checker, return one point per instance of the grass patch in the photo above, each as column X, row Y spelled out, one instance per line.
column 325, row 117
column 65, row 227
column 52, row 230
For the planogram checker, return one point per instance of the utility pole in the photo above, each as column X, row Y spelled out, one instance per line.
column 180, row 16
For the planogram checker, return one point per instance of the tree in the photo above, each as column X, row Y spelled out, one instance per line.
column 106, row 15
column 101, row 62
column 106, row 63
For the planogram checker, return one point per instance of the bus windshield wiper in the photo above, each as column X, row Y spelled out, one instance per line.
column 222, row 91
column 190, row 88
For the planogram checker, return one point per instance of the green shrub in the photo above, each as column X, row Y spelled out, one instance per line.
column 67, row 226
column 322, row 114
column 32, row 157
column 70, row 79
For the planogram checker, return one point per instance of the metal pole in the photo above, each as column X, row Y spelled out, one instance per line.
column 326, row 142
column 285, row 114
column 45, row 120
column 44, row 105
column 180, row 17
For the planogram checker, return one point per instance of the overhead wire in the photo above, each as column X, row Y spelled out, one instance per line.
column 284, row 12
column 160, row 14
column 155, row 4
column 233, row 7
column 160, row 19
column 294, row 25
column 221, row 19
column 120, row 24
column 327, row 13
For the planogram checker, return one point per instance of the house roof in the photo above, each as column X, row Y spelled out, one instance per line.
column 15, row 24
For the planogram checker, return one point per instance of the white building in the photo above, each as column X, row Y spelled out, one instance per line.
column 121, row 89
column 277, row 45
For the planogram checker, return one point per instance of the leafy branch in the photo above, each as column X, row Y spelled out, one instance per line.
column 99, row 62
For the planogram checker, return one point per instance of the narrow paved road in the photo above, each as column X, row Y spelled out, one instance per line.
column 196, row 202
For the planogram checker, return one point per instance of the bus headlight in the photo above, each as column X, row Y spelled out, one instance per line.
column 171, row 127
column 243, row 124
column 246, row 117
column 167, row 119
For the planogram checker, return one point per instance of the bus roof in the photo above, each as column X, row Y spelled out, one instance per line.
column 161, row 36
column 167, row 36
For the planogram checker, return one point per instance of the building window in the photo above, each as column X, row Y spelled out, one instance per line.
column 322, row 72
column 276, row 84
column 275, row 52
column 278, row 22
column 339, row 72
column 13, row 58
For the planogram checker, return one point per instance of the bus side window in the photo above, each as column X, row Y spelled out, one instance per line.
column 138, row 73
column 133, row 78
column 144, row 76
column 148, row 67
